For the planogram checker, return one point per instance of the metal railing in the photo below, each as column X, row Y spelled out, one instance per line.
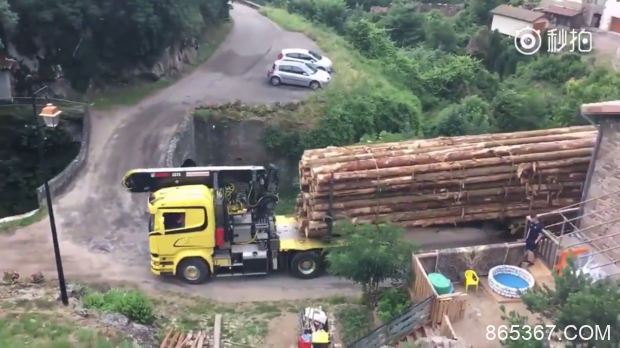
column 566, row 233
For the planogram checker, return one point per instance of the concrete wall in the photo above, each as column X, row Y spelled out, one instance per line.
column 233, row 143
column 60, row 183
column 605, row 181
column 453, row 263
column 5, row 84
column 508, row 26
column 224, row 142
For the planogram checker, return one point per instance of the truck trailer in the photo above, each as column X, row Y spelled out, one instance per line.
column 207, row 222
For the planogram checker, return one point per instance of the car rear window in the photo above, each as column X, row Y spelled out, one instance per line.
column 315, row 55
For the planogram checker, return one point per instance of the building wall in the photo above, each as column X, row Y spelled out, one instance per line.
column 612, row 9
column 605, row 182
column 508, row 26
column 5, row 84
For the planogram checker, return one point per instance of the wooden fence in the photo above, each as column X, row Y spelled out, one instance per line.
column 397, row 329
column 451, row 306
column 446, row 329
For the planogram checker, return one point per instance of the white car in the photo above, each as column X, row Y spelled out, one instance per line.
column 298, row 74
column 307, row 56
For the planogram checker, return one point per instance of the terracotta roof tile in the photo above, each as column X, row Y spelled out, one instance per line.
column 517, row 13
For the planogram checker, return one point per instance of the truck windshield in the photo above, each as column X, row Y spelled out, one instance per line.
column 151, row 223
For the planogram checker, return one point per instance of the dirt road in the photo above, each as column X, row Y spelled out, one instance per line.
column 103, row 229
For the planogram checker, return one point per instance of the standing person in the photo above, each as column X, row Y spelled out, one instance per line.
column 533, row 237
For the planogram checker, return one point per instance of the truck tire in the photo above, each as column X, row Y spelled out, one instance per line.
column 193, row 270
column 306, row 265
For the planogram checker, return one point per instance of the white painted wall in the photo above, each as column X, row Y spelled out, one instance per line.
column 508, row 26
column 612, row 9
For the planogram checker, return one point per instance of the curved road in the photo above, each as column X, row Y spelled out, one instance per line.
column 103, row 229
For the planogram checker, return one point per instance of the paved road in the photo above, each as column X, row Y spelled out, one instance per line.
column 103, row 229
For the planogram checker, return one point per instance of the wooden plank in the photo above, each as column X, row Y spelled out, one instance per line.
column 180, row 341
column 165, row 340
column 173, row 340
column 217, row 331
column 201, row 341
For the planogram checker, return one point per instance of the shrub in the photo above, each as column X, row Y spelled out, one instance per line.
column 392, row 303
column 331, row 13
column 131, row 303
column 373, row 42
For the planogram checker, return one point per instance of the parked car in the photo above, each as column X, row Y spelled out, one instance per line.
column 307, row 56
column 298, row 74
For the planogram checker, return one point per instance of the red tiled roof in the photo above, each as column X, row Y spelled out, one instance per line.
column 562, row 11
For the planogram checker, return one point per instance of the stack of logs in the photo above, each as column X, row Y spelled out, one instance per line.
column 444, row 180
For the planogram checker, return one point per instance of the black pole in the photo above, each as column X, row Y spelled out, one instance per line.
column 48, row 197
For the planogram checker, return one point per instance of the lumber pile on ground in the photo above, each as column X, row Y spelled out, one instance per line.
column 444, row 180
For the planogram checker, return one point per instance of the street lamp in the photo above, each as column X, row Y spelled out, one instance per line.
column 51, row 116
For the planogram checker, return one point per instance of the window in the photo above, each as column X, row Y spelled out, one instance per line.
column 311, row 69
column 297, row 70
column 173, row 221
column 285, row 68
column 293, row 55
column 151, row 223
column 305, row 57
column 315, row 55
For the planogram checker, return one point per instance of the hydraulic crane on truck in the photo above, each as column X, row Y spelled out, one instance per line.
column 219, row 221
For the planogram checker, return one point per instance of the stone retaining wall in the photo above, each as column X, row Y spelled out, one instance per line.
column 182, row 145
column 60, row 183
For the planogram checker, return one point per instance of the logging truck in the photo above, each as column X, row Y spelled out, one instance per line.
column 209, row 222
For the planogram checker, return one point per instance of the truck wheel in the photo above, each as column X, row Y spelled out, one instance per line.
column 306, row 265
column 193, row 270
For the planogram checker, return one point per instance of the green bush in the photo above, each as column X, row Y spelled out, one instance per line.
column 332, row 13
column 392, row 303
column 131, row 303
column 370, row 40
column 355, row 322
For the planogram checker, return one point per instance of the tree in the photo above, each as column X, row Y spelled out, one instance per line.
column 471, row 116
column 373, row 42
column 100, row 40
column 439, row 32
column 8, row 21
column 370, row 255
column 577, row 301
column 404, row 25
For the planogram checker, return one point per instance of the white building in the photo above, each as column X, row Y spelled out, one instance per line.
column 509, row 20
column 610, row 20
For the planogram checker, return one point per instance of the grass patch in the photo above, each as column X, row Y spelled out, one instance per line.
column 134, row 93
column 36, row 217
column 51, row 331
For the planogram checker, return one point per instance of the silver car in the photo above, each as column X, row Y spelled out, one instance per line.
column 306, row 56
column 298, row 74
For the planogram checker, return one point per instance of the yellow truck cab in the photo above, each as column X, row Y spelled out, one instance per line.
column 219, row 221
